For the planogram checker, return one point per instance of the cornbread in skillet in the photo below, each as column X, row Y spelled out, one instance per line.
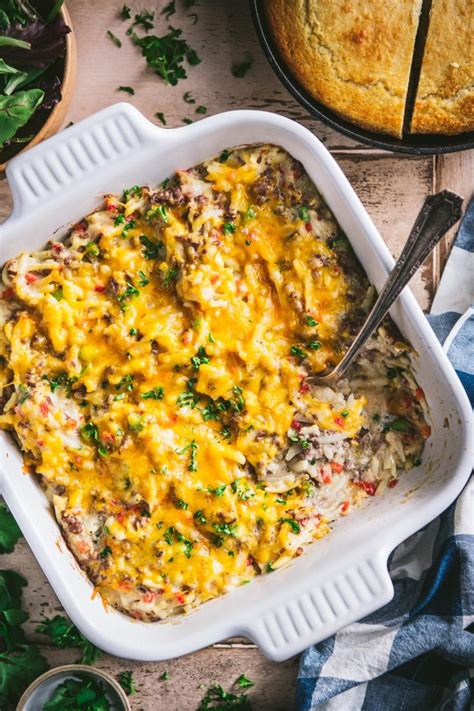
column 153, row 368
column 445, row 96
column 352, row 55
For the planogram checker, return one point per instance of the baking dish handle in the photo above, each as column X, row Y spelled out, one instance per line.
column 323, row 609
column 80, row 153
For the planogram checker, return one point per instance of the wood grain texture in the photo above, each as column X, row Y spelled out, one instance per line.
column 453, row 171
column 392, row 189
column 222, row 36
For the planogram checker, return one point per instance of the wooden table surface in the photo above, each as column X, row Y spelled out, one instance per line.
column 392, row 187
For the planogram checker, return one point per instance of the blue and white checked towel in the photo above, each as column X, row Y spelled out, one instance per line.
column 416, row 652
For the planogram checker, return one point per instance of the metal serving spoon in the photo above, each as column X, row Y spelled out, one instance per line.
column 439, row 212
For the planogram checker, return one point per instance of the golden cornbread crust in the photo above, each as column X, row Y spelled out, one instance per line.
column 445, row 96
column 352, row 55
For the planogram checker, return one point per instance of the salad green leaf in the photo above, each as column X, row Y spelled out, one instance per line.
column 16, row 110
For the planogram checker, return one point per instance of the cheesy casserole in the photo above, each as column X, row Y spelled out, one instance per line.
column 155, row 375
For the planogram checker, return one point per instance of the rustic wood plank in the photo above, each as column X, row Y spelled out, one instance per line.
column 223, row 35
column 393, row 189
column 453, row 171
column 191, row 676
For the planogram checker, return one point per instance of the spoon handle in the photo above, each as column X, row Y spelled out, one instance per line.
column 439, row 212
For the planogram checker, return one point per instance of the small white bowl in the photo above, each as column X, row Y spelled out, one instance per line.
column 41, row 690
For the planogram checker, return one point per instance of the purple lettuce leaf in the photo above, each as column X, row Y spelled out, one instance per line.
column 47, row 43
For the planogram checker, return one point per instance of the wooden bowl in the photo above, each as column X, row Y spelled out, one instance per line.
column 53, row 119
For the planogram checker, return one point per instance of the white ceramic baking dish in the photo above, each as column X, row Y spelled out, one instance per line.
column 339, row 579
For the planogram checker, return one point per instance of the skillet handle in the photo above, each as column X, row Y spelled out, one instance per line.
column 76, row 156
column 322, row 609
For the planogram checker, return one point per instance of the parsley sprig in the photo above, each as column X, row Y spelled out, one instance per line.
column 9, row 532
column 166, row 55
column 64, row 635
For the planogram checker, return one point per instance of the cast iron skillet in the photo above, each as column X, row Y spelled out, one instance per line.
column 414, row 144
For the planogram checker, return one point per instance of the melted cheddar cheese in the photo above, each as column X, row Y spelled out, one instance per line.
column 158, row 360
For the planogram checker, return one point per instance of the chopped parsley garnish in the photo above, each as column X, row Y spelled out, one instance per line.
column 219, row 700
column 243, row 492
column 143, row 279
column 225, row 155
column 158, row 211
column 187, row 399
column 244, row 682
column 126, row 90
column 298, row 352
column 219, row 490
column 210, row 412
column 125, row 13
column 134, row 191
column 250, row 213
column 151, row 250
column 187, row 96
column 64, row 635
column 240, row 70
column 135, row 422
column 345, row 413
column 92, row 249
column 61, row 380
column 192, row 447
column 165, row 676
column 58, row 293
column 310, row 321
column 161, row 117
column 90, row 434
column 192, row 467
column 201, row 110
column 294, row 525
column 376, row 417
column 157, row 393
column 200, row 518
column 187, row 121
column 229, row 228
column 182, row 504
column 145, row 20
column 169, row 9
column 114, row 39
column 9, row 534
column 314, row 345
column 211, row 338
column 119, row 220
column 397, row 425
column 131, row 292
column 105, row 552
column 127, row 682
column 126, row 383
column 303, row 214
column 238, row 404
column 129, row 225
column 170, row 276
column 166, row 55
column 200, row 358
column 226, row 529
column 172, row 535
